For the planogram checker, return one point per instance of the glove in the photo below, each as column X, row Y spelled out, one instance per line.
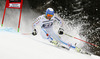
column 34, row 32
column 60, row 31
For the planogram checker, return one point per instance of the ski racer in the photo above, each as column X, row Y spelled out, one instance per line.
column 46, row 22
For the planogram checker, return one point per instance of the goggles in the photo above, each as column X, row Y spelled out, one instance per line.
column 49, row 15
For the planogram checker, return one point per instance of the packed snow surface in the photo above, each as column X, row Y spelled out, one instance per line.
column 15, row 45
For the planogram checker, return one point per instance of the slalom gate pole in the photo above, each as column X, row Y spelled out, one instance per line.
column 81, row 40
column 15, row 4
column 19, row 19
column 3, row 16
column 26, row 33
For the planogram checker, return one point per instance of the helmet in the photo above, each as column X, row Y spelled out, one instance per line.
column 50, row 11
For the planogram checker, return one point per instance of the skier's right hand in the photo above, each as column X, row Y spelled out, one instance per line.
column 34, row 32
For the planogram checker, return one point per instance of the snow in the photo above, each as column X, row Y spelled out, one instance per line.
column 15, row 45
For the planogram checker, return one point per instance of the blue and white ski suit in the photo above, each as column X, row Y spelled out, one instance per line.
column 47, row 27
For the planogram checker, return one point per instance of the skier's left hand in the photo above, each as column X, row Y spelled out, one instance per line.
column 60, row 31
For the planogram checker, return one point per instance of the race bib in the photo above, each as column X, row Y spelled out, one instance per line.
column 46, row 25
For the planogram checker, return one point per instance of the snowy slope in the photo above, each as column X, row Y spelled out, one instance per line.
column 14, row 45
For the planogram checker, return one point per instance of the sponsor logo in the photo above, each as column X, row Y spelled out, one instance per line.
column 14, row 5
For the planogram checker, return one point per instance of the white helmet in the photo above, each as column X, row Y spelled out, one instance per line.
column 50, row 11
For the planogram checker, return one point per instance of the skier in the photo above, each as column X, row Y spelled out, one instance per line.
column 46, row 22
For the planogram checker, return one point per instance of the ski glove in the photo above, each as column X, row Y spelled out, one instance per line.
column 60, row 31
column 34, row 32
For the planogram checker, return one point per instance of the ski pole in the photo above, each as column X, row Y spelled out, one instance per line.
column 26, row 33
column 81, row 40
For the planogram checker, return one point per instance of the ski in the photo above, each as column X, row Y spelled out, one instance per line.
column 84, row 52
column 65, row 47
column 59, row 45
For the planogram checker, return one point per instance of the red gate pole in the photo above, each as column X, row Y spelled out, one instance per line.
column 19, row 20
column 20, row 15
column 15, row 5
column 3, row 15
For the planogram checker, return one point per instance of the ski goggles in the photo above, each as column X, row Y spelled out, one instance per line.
column 49, row 15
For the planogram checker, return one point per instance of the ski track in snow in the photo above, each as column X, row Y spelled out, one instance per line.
column 18, row 46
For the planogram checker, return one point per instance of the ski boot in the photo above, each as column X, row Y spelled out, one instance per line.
column 54, row 42
column 78, row 49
